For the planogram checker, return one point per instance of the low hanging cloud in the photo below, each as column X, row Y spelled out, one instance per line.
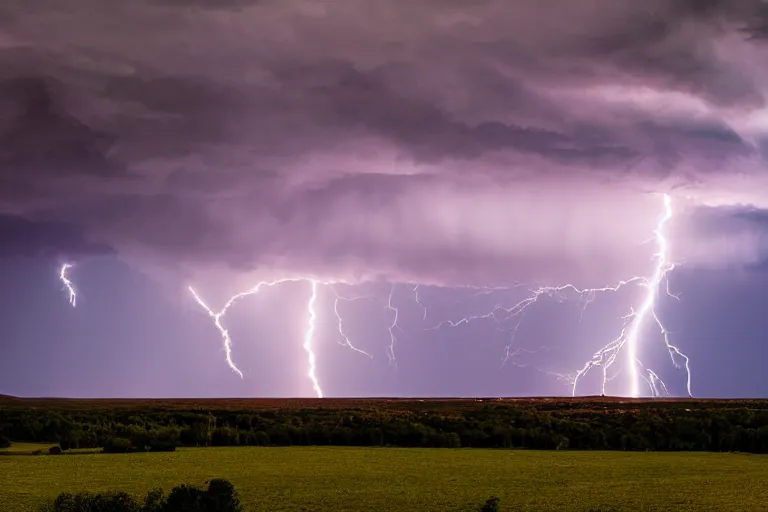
column 437, row 142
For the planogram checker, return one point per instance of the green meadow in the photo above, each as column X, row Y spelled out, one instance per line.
column 389, row 479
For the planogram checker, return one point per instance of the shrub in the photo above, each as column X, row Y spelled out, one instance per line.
column 54, row 450
column 118, row 445
column 491, row 505
column 5, row 442
column 87, row 502
column 220, row 496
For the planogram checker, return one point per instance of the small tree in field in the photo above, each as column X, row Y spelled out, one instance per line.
column 5, row 442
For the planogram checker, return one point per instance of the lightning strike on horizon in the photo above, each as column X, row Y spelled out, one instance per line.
column 68, row 283
column 308, row 337
column 251, row 291
column 217, row 316
column 309, row 334
column 629, row 335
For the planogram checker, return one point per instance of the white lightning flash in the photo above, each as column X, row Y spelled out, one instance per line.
column 347, row 342
column 418, row 301
column 309, row 337
column 629, row 336
column 309, row 333
column 392, row 327
column 68, row 284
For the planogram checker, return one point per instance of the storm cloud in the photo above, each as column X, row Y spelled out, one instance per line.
column 436, row 142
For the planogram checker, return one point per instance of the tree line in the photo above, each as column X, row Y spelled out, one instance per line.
column 672, row 427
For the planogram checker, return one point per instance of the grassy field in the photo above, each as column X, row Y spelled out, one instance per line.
column 26, row 448
column 388, row 479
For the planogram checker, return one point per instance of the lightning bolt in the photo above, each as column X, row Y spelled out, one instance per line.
column 68, row 284
column 628, row 337
column 501, row 314
column 392, row 326
column 218, row 316
column 347, row 342
column 418, row 301
column 308, row 337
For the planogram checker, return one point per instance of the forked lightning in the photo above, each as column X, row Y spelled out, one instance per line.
column 629, row 337
column 309, row 333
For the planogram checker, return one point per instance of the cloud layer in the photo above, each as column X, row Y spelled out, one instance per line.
column 438, row 142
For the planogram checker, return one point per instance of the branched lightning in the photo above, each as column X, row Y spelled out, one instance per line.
column 501, row 314
column 218, row 316
column 347, row 342
column 68, row 284
column 308, row 336
column 628, row 337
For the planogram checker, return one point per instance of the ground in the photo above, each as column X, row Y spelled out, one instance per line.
column 389, row 479
column 439, row 404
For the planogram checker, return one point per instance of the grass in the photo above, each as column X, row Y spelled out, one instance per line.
column 381, row 479
column 26, row 448
column 40, row 449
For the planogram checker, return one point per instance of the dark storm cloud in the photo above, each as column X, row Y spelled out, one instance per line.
column 24, row 237
column 673, row 48
column 365, row 101
column 40, row 138
column 443, row 141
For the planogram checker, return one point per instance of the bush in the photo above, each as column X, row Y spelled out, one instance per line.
column 54, row 450
column 118, row 445
column 220, row 496
column 87, row 502
column 491, row 505
column 5, row 442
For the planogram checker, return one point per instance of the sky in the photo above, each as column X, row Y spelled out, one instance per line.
column 421, row 163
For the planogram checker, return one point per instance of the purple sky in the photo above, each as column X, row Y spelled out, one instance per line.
column 464, row 147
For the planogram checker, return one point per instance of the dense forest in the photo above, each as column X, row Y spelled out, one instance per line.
column 579, row 424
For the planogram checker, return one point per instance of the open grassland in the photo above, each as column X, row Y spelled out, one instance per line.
column 40, row 449
column 26, row 449
column 389, row 479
